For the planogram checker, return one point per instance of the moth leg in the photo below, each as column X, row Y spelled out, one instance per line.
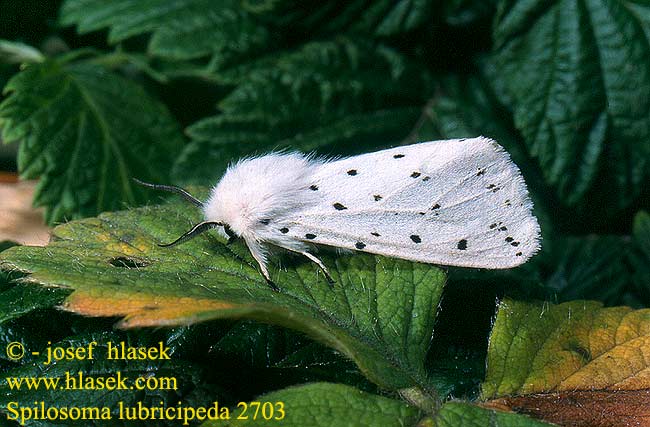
column 265, row 273
column 320, row 264
column 258, row 255
column 315, row 260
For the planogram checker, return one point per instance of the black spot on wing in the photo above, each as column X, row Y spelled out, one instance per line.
column 314, row 187
column 415, row 174
column 310, row 236
column 352, row 172
column 462, row 244
column 359, row 245
column 398, row 156
column 338, row 206
column 377, row 197
column 416, row 238
column 284, row 230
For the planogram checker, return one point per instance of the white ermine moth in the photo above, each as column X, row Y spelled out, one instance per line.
column 459, row 202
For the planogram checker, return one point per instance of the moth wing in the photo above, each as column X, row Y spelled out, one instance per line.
column 454, row 202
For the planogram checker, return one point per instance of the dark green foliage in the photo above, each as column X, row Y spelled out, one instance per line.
column 334, row 97
column 579, row 78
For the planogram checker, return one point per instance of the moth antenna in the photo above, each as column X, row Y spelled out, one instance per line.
column 193, row 232
column 172, row 189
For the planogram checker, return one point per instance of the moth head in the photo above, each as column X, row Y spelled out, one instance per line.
column 197, row 228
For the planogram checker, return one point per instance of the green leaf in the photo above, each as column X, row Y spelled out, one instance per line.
column 17, row 300
column 332, row 97
column 184, row 29
column 284, row 356
column 579, row 77
column 22, row 299
column 379, row 313
column 85, row 132
column 326, row 404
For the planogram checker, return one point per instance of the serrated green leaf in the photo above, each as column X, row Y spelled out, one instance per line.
column 325, row 404
column 331, row 97
column 344, row 75
column 184, row 29
column 380, row 312
column 17, row 300
column 580, row 80
column 85, row 132
column 258, row 344
column 22, row 299
column 284, row 356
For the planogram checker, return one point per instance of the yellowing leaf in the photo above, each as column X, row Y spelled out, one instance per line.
column 576, row 363
column 144, row 310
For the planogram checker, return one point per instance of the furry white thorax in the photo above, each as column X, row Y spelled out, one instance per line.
column 257, row 192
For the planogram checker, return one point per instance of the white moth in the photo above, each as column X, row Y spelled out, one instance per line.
column 459, row 202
